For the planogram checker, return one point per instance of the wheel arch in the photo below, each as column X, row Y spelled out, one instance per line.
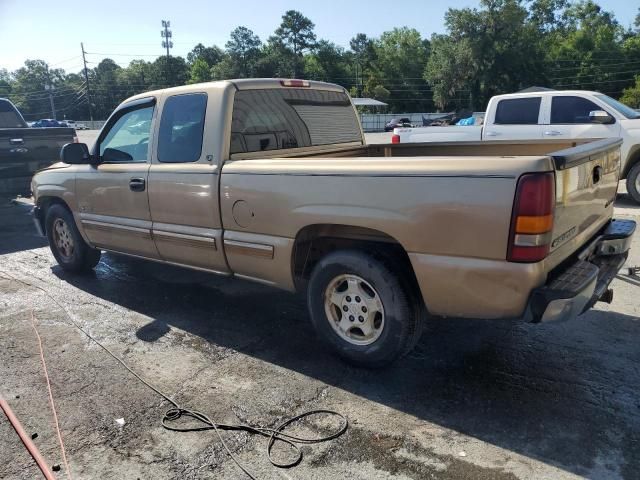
column 314, row 241
column 44, row 203
column 633, row 160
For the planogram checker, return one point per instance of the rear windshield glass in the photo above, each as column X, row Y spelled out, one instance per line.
column 9, row 118
column 276, row 119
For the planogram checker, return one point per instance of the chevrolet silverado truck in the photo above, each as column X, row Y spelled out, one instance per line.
column 271, row 180
column 24, row 150
column 549, row 114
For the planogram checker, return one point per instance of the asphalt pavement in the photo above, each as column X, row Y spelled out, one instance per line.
column 477, row 399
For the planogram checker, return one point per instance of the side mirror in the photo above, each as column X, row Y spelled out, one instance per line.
column 600, row 116
column 75, row 153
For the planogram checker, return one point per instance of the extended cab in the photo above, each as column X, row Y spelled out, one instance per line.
column 271, row 180
column 549, row 114
column 23, row 150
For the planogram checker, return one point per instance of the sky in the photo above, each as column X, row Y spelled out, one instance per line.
column 52, row 30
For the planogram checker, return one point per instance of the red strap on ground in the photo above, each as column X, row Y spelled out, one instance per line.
column 31, row 447
column 53, row 406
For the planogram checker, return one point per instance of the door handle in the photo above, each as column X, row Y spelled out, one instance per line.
column 492, row 134
column 137, row 184
column 552, row 133
column 16, row 141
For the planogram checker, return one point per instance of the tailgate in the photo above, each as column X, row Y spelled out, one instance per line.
column 586, row 186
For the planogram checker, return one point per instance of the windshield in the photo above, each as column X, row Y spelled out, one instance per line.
column 620, row 107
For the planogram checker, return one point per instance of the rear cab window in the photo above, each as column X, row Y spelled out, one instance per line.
column 290, row 118
column 518, row 111
column 9, row 117
column 182, row 128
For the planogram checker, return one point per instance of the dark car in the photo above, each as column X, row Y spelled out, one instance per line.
column 48, row 122
column 397, row 123
column 24, row 150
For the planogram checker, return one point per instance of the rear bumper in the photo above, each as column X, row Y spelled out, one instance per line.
column 575, row 287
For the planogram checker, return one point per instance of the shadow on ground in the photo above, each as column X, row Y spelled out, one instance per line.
column 18, row 231
column 564, row 394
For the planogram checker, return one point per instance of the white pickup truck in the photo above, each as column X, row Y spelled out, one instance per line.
column 548, row 114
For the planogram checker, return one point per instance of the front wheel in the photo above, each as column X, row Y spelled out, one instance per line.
column 362, row 309
column 633, row 182
column 67, row 245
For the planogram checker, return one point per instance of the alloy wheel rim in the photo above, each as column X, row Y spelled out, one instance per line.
column 354, row 309
column 62, row 238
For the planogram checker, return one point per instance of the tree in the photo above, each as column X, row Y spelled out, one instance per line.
column 211, row 55
column 580, row 56
column 631, row 95
column 363, row 55
column 401, row 55
column 200, row 71
column 326, row 63
column 296, row 33
column 169, row 72
column 244, row 50
column 224, row 69
column 449, row 71
column 276, row 60
column 506, row 52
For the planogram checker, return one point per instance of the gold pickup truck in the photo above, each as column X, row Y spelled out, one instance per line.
column 271, row 180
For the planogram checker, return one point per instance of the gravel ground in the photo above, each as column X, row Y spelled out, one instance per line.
column 476, row 400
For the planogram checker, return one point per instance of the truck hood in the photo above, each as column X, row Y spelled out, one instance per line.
column 55, row 166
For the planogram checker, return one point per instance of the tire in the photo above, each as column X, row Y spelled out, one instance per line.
column 633, row 182
column 391, row 328
column 67, row 245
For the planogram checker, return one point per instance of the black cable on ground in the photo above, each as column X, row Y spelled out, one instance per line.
column 276, row 434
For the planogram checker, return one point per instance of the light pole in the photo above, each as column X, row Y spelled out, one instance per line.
column 166, row 36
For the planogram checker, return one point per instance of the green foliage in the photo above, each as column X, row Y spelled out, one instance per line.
column 499, row 47
column 631, row 95
column 450, row 70
column 200, row 71
column 296, row 34
column 244, row 51
column 210, row 55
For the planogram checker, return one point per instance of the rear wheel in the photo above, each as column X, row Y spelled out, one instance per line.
column 67, row 245
column 362, row 309
column 633, row 182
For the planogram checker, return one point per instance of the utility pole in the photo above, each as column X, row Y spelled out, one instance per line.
column 166, row 43
column 166, row 36
column 49, row 88
column 86, row 79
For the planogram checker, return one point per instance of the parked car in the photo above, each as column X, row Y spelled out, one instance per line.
column 549, row 114
column 396, row 123
column 24, row 150
column 261, row 185
column 48, row 123
column 76, row 125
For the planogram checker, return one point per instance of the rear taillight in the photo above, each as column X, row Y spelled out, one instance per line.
column 295, row 83
column 532, row 221
column 395, row 138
